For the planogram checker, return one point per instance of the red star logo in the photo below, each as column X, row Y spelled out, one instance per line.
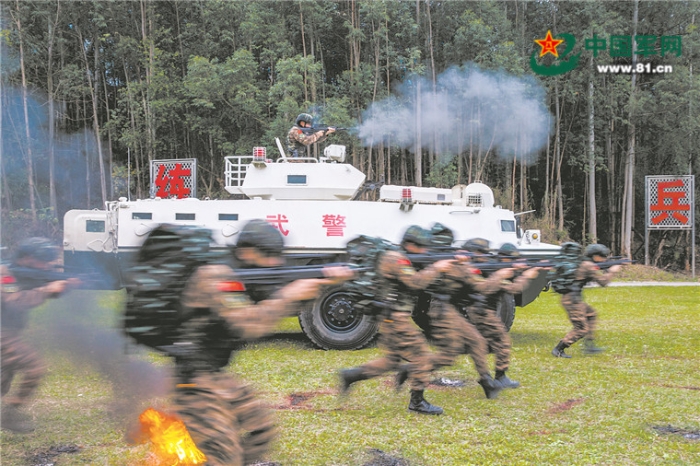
column 549, row 45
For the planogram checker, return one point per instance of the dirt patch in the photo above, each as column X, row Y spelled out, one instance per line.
column 546, row 432
column 686, row 387
column 686, row 433
column 379, row 458
column 47, row 457
column 565, row 406
column 299, row 400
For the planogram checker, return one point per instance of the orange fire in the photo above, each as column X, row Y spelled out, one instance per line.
column 170, row 440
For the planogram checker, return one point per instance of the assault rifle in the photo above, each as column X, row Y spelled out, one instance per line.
column 313, row 129
column 617, row 260
column 423, row 260
column 261, row 283
column 29, row 278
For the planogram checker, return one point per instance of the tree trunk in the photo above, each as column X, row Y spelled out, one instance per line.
column 29, row 158
column 628, row 198
column 592, row 225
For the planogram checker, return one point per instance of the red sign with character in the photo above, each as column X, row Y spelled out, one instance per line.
column 174, row 178
column 669, row 201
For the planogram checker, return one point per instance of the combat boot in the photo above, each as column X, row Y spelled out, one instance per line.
column 419, row 404
column 491, row 387
column 558, row 350
column 503, row 379
column 589, row 347
column 402, row 375
column 12, row 419
column 349, row 377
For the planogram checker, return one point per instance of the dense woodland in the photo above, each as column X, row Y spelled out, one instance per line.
column 435, row 94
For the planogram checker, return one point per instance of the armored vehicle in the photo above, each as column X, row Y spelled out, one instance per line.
column 312, row 201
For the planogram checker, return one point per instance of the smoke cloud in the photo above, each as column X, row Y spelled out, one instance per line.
column 487, row 110
column 84, row 327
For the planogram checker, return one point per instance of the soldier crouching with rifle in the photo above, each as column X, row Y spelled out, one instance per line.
column 569, row 278
column 399, row 337
column 18, row 298
column 487, row 322
column 226, row 421
column 452, row 333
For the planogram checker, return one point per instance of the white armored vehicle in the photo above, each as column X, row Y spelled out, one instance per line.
column 311, row 202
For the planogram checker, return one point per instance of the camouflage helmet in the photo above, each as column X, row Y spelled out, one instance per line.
column 417, row 235
column 41, row 249
column 305, row 117
column 571, row 249
column 260, row 235
column 441, row 236
column 478, row 245
column 596, row 250
column 508, row 250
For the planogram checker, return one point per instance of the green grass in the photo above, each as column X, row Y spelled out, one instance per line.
column 586, row 410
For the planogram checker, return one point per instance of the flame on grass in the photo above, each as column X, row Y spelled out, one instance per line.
column 170, row 441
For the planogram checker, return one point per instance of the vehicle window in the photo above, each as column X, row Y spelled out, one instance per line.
column 233, row 217
column 141, row 216
column 508, row 225
column 296, row 179
column 184, row 216
column 95, row 226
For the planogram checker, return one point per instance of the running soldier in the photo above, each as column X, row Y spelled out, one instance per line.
column 570, row 277
column 489, row 324
column 225, row 419
column 399, row 336
column 18, row 357
column 453, row 335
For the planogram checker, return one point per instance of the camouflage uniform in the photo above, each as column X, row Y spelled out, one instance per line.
column 298, row 141
column 483, row 324
column 226, row 421
column 492, row 328
column 17, row 355
column 582, row 316
column 399, row 336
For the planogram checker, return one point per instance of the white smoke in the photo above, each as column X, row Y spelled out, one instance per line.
column 489, row 111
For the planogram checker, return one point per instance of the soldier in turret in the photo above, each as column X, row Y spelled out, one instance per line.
column 569, row 278
column 399, row 337
column 300, row 137
column 18, row 357
column 225, row 419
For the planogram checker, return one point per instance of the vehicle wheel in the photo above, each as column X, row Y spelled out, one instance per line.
column 505, row 309
column 332, row 322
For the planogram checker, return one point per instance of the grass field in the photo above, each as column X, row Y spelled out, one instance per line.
column 636, row 404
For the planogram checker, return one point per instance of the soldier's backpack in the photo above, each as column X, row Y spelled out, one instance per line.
column 165, row 262
column 563, row 276
column 364, row 252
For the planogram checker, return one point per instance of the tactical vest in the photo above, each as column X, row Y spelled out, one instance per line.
column 563, row 276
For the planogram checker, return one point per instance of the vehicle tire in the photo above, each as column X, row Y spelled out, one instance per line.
column 505, row 310
column 332, row 322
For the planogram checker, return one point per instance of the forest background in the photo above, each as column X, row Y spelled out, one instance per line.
column 435, row 93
